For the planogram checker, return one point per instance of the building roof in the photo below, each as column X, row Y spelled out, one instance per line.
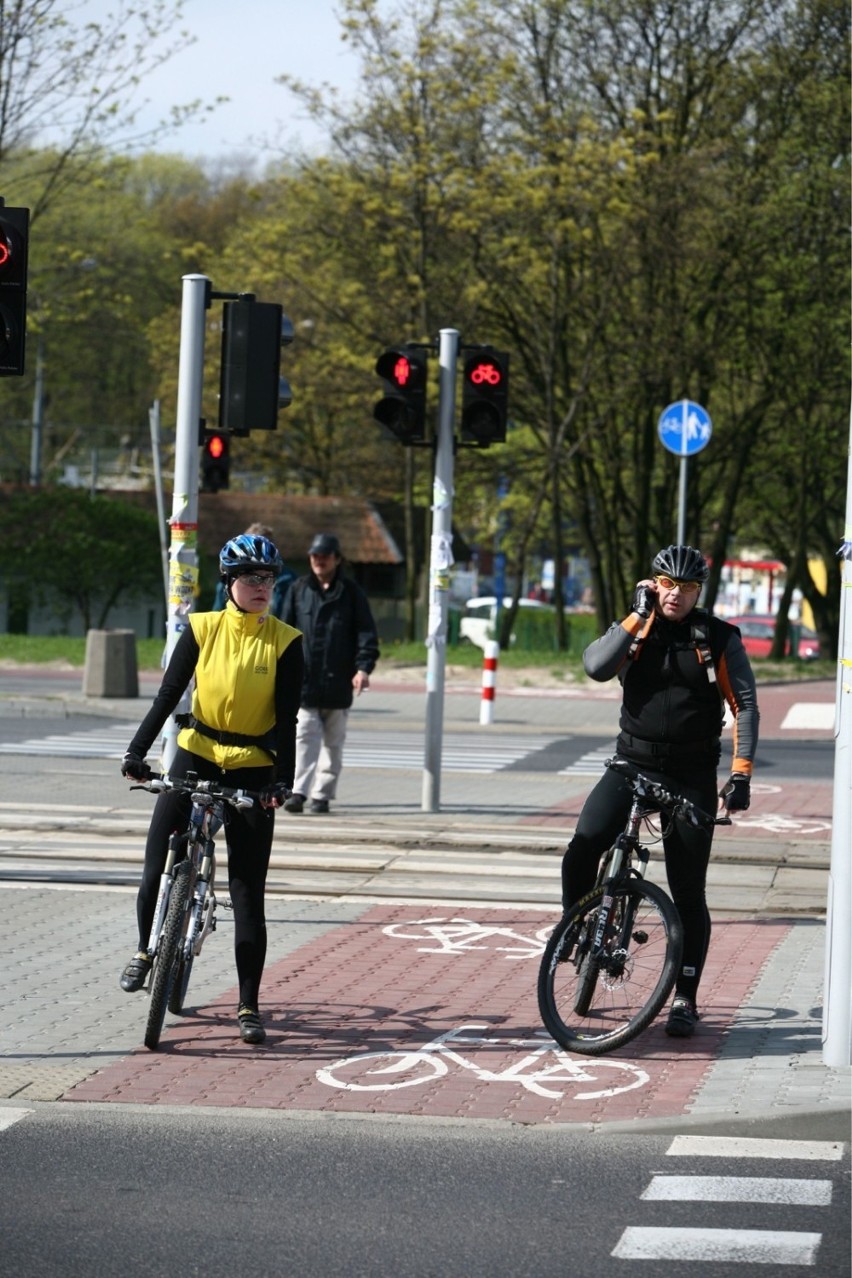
column 364, row 537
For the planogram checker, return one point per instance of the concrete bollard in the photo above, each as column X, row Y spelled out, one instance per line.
column 489, row 681
column 110, row 669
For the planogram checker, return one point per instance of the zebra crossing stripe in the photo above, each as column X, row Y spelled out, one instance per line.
column 591, row 764
column 744, row 1246
column 754, row 1147
column 739, row 1189
column 400, row 751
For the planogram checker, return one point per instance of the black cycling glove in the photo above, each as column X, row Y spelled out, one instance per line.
column 134, row 768
column 736, row 794
column 273, row 796
column 643, row 601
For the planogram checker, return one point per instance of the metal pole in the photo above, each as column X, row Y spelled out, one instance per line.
column 681, row 497
column 183, row 548
column 38, row 416
column 681, row 505
column 440, row 562
column 837, row 1006
column 154, row 423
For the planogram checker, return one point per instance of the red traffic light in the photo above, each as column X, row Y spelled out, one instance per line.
column 484, row 372
column 401, row 372
column 216, row 446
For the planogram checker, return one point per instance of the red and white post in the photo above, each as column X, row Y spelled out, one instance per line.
column 489, row 681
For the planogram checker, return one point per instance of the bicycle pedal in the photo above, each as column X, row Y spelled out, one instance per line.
column 226, row 903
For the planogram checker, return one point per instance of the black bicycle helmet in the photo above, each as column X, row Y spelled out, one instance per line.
column 248, row 553
column 682, row 562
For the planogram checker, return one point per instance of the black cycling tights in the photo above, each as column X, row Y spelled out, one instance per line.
column 248, row 835
column 687, row 853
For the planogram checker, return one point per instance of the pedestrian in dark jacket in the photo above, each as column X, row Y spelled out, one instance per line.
column 341, row 649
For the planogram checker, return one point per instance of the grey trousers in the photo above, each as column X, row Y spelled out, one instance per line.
column 320, row 735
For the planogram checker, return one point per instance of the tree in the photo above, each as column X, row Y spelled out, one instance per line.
column 75, row 552
column 67, row 89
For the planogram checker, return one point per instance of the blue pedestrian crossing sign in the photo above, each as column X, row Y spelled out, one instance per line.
column 684, row 428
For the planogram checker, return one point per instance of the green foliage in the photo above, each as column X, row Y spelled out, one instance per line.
column 73, row 551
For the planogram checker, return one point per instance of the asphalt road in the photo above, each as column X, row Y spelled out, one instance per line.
column 98, row 1190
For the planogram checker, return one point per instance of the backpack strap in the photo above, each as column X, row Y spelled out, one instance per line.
column 701, row 639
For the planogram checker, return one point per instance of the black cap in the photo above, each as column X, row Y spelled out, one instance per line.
column 324, row 544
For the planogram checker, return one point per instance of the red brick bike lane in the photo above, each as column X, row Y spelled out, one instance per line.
column 432, row 1011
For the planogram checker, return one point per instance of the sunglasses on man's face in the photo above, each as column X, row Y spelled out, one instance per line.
column 257, row 579
column 685, row 587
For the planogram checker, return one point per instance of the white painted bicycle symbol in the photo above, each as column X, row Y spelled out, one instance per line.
column 540, row 1071
column 458, row 936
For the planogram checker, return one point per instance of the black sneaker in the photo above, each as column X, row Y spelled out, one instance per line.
column 683, row 1018
column 295, row 803
column 319, row 805
column 251, row 1030
column 135, row 974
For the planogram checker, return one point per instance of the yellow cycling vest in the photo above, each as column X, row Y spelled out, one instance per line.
column 234, row 691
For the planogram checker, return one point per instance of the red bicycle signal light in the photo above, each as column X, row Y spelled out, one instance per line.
column 484, row 372
column 485, row 397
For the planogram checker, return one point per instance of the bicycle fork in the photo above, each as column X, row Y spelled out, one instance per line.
column 166, row 881
column 202, row 918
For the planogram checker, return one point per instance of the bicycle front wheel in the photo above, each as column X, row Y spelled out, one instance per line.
column 168, row 955
column 595, row 999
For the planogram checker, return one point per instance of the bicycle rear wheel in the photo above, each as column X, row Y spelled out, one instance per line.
column 168, row 955
column 593, row 1001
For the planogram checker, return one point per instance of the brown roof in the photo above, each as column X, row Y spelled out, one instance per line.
column 364, row 538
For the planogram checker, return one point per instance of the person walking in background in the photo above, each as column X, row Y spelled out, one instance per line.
column 341, row 649
column 677, row 665
column 282, row 582
column 248, row 669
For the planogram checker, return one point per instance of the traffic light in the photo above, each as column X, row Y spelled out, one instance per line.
column 14, row 239
column 485, row 397
column 215, row 461
column 251, row 388
column 402, row 411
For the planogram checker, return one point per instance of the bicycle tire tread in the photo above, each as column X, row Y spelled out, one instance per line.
column 600, row 1045
column 165, row 964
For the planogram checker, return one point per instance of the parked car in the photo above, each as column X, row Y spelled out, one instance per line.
column 477, row 622
column 758, row 632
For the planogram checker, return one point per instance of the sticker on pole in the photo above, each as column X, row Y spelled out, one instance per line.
column 685, row 428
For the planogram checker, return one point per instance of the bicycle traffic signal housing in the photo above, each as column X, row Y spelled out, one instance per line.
column 485, row 397
column 402, row 410
column 251, row 388
column 215, row 461
column 14, row 243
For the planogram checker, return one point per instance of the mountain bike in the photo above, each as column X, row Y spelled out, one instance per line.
column 185, row 912
column 612, row 960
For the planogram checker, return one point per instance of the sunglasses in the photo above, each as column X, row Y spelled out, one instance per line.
column 257, row 579
column 685, row 587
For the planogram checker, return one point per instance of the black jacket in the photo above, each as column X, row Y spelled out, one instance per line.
column 339, row 638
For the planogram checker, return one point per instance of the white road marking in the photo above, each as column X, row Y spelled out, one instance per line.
column 747, row 1246
column 754, row 1147
column 739, row 1189
column 10, row 1116
column 810, row 714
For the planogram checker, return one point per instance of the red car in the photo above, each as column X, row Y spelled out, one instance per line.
column 758, row 633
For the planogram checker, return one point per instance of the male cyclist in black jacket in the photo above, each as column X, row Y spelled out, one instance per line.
column 677, row 665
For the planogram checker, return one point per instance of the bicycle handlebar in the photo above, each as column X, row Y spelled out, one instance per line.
column 158, row 783
column 675, row 804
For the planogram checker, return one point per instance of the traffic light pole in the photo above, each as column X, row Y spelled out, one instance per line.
column 183, row 547
column 440, row 562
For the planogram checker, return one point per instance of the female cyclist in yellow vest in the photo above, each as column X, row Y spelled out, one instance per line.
column 248, row 669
